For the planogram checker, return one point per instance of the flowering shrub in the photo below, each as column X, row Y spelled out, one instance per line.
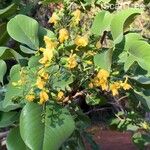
column 91, row 55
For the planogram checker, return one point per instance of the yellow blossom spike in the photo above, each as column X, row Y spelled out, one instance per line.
column 125, row 85
column 89, row 62
column 54, row 19
column 145, row 125
column 103, row 74
column 63, row 35
column 60, row 95
column 47, row 57
column 50, row 44
column 30, row 97
column 43, row 97
column 114, row 88
column 42, row 73
column 72, row 62
column 42, row 49
column 40, row 83
column 103, row 84
column 43, row 60
column 81, row 41
column 76, row 17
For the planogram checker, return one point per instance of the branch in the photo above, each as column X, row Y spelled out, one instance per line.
column 96, row 110
column 3, row 134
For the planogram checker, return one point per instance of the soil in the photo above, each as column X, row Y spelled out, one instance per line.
column 112, row 140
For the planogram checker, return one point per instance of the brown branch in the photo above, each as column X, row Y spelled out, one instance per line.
column 3, row 134
column 103, row 37
column 98, row 109
column 120, row 99
column 74, row 97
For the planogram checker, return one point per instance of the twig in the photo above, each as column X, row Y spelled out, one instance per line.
column 74, row 97
column 103, row 37
column 95, row 110
column 122, row 98
column 81, row 93
column 3, row 134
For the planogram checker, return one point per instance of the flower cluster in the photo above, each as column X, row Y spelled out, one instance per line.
column 101, row 80
column 77, row 58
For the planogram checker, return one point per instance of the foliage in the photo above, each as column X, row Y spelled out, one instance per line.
column 88, row 55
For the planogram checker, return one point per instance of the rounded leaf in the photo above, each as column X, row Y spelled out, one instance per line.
column 14, row 140
column 3, row 69
column 119, row 22
column 24, row 30
column 45, row 130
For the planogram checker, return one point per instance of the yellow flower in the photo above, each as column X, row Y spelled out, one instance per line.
column 47, row 57
column 72, row 63
column 89, row 62
column 76, row 17
column 40, row 83
column 43, row 97
column 115, row 88
column 125, row 85
column 42, row 49
column 98, row 45
column 60, row 95
column 103, row 74
column 81, row 41
column 30, row 97
column 96, row 82
column 91, row 85
column 104, row 84
column 50, row 44
column 90, row 53
column 101, row 83
column 145, row 125
column 42, row 73
column 48, row 52
column 54, row 19
column 63, row 35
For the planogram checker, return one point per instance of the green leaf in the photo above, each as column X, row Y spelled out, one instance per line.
column 89, row 1
column 95, row 100
column 14, row 140
column 104, row 60
column 7, row 53
column 4, row 35
column 130, row 38
column 128, row 63
column 27, row 50
column 61, row 80
column 3, row 69
column 104, row 1
column 142, row 79
column 13, row 93
column 8, row 118
column 141, row 140
column 144, row 98
column 34, row 61
column 49, row 132
column 45, row 32
column 49, row 1
column 8, row 11
column 101, row 23
column 24, row 30
column 120, row 20
column 141, row 51
column 135, row 50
